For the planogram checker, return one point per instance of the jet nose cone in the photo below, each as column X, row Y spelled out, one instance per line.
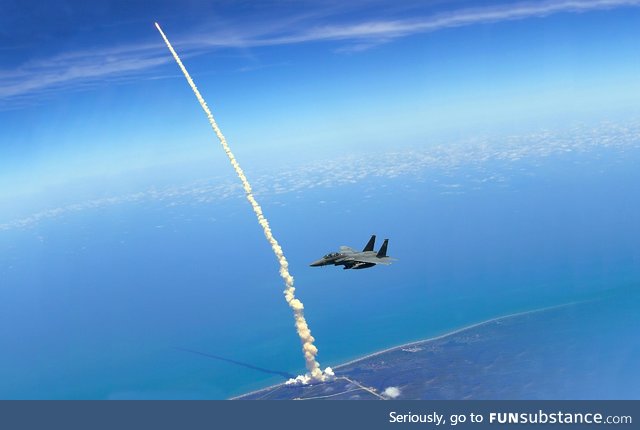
column 317, row 263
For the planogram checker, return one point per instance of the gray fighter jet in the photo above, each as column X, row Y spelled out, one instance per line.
column 352, row 259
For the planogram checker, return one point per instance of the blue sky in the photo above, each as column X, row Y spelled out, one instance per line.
column 90, row 90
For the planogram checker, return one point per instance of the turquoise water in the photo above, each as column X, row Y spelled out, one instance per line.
column 98, row 303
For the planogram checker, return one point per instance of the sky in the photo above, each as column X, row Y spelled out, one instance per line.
column 314, row 97
column 89, row 93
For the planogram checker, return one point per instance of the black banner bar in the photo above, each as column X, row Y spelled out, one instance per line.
column 309, row 415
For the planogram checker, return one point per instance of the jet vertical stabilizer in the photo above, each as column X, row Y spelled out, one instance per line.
column 383, row 249
column 369, row 246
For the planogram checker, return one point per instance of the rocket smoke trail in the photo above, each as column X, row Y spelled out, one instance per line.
column 309, row 349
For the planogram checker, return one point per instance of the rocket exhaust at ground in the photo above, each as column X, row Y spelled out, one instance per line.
column 309, row 349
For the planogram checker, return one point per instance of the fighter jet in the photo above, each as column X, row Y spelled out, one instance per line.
column 352, row 259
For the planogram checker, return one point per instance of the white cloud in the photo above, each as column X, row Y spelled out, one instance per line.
column 442, row 161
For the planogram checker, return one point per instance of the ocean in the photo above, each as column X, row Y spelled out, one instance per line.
column 103, row 302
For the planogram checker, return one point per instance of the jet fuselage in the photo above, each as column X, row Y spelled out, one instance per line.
column 352, row 259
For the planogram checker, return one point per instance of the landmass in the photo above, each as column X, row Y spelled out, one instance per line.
column 584, row 350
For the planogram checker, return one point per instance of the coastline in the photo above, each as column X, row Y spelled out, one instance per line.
column 430, row 339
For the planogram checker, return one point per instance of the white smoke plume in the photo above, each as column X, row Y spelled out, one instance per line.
column 309, row 349
column 391, row 392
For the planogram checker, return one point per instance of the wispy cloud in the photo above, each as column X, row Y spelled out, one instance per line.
column 133, row 60
column 47, row 76
column 371, row 32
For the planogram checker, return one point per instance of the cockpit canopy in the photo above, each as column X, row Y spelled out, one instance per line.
column 331, row 255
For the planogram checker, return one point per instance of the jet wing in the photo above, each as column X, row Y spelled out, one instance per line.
column 346, row 249
column 374, row 260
